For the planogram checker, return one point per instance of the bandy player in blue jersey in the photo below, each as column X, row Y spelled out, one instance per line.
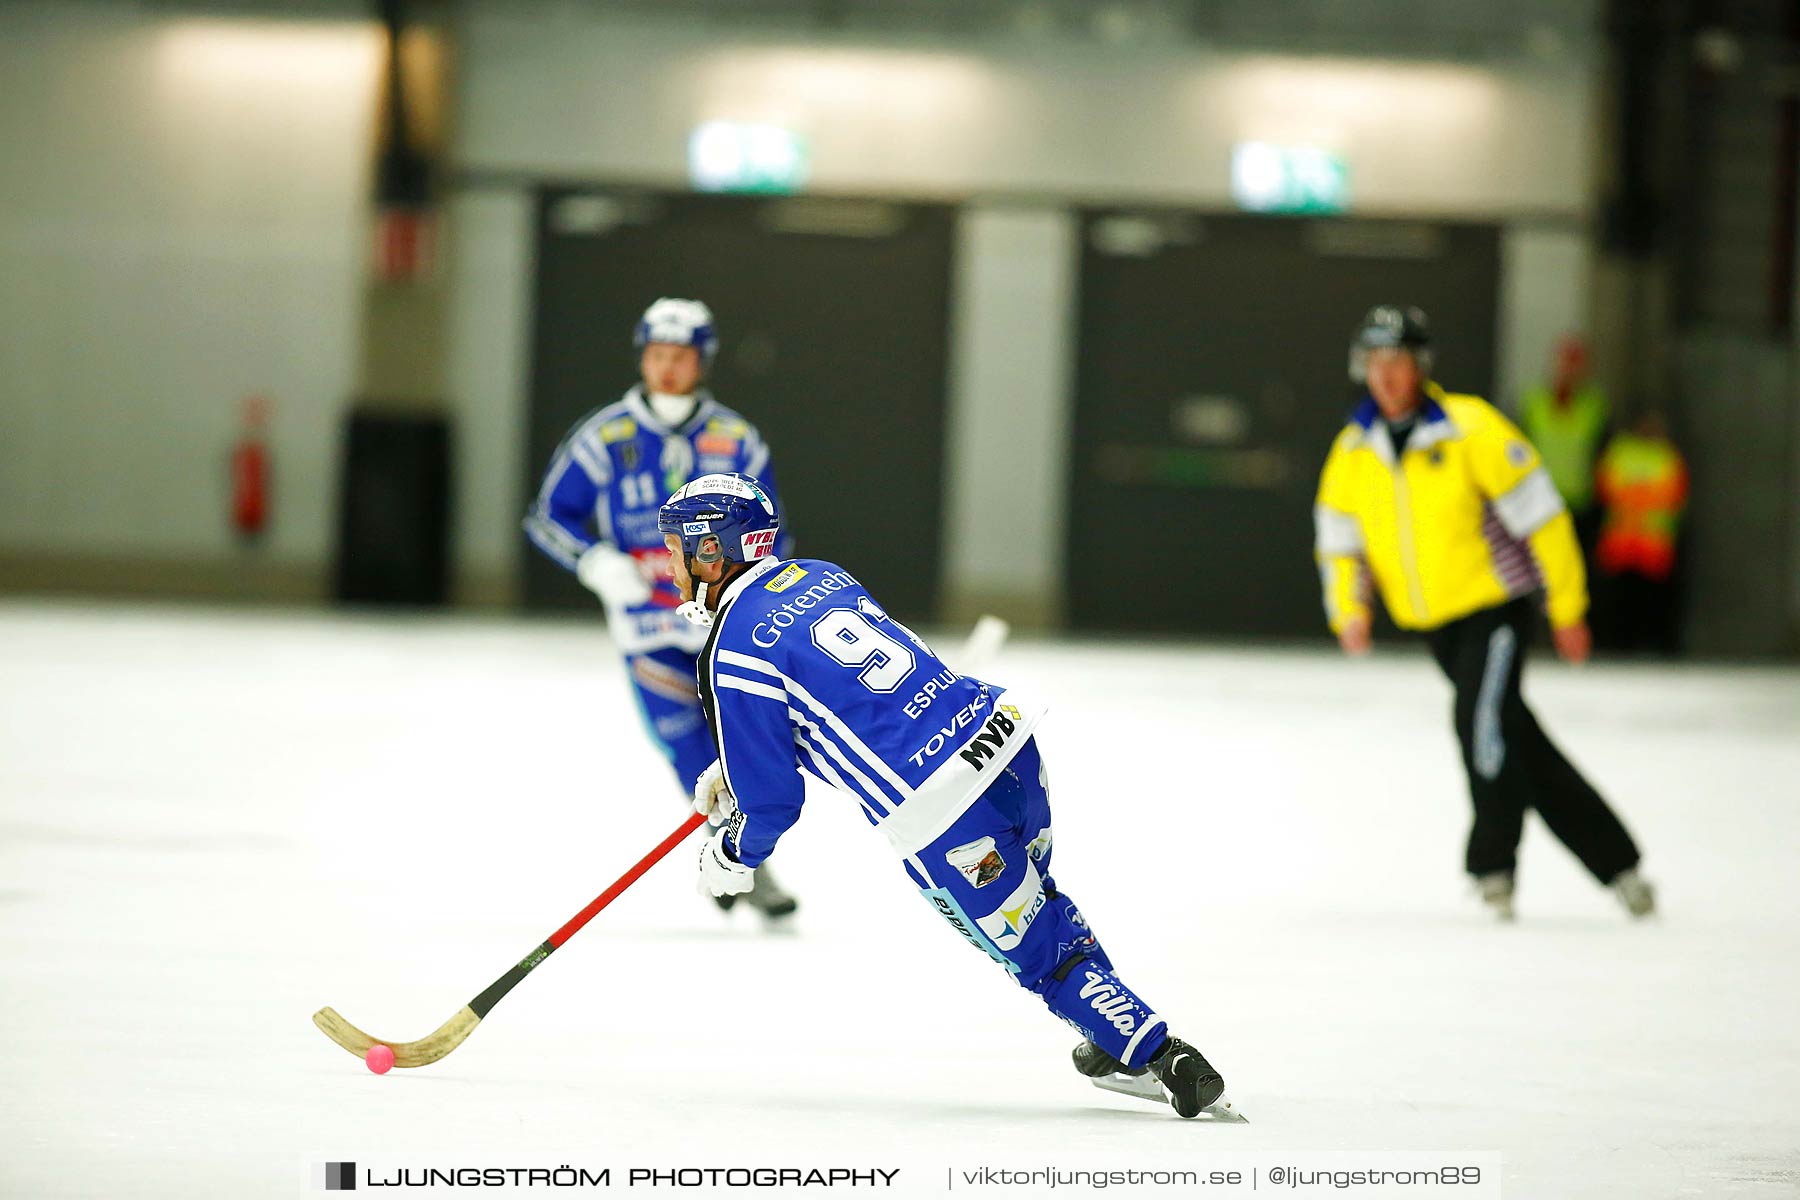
column 803, row 671
column 596, row 515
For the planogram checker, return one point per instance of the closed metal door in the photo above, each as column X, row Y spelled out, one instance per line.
column 832, row 318
column 1212, row 379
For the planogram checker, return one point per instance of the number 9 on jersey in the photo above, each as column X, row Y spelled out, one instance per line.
column 848, row 637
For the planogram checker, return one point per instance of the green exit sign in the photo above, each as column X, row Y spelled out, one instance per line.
column 732, row 156
column 1288, row 179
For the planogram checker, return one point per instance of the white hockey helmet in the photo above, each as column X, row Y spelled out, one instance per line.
column 679, row 323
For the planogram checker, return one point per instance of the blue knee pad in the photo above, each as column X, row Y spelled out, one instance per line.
column 988, row 876
column 1059, row 935
column 1071, row 971
column 1039, row 935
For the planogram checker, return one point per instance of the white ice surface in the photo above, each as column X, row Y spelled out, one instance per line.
column 213, row 823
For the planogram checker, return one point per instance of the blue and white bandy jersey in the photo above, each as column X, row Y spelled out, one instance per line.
column 805, row 671
column 610, row 476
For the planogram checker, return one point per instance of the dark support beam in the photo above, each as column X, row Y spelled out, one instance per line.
column 1787, row 190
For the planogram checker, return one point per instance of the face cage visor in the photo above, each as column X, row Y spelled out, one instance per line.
column 709, row 550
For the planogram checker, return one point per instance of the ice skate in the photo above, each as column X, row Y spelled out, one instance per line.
column 1179, row 1076
column 1094, row 1062
column 768, row 898
column 765, row 896
column 1635, row 893
column 1496, row 890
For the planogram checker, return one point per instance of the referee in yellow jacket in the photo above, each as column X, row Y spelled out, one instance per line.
column 1444, row 504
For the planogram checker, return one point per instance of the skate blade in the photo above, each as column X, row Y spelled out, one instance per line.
column 1145, row 1087
column 1223, row 1110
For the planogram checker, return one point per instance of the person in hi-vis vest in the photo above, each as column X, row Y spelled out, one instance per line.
column 1441, row 503
column 1642, row 481
column 1566, row 421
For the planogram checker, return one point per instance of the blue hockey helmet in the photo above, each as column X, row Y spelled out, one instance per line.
column 725, row 517
column 679, row 323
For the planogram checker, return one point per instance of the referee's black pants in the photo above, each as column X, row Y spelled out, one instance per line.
column 1512, row 764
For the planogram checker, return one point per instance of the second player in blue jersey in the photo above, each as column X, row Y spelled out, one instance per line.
column 596, row 515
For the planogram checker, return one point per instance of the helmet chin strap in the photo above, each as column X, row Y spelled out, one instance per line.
column 695, row 610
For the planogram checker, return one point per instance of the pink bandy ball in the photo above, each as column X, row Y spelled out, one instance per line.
column 380, row 1058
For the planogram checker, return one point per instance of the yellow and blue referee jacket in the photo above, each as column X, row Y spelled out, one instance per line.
column 1464, row 518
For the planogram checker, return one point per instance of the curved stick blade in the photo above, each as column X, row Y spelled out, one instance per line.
column 428, row 1049
column 342, row 1032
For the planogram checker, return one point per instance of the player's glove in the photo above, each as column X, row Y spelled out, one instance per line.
column 612, row 575
column 712, row 797
column 720, row 873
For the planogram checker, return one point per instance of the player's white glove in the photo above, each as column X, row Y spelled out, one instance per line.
column 612, row 575
column 720, row 874
column 712, row 797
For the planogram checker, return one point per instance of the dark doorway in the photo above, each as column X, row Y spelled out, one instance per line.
column 1212, row 379
column 832, row 318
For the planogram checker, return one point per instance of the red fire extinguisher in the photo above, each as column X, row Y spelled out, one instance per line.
column 250, row 472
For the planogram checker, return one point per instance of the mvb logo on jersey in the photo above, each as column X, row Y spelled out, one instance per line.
column 1002, row 725
column 758, row 543
column 1115, row 1005
column 1008, row 924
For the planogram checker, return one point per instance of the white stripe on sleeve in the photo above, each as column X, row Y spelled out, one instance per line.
column 1336, row 534
column 821, row 766
column 870, row 792
column 755, row 689
column 584, row 455
column 732, row 658
column 849, row 738
column 553, row 539
column 1530, row 505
